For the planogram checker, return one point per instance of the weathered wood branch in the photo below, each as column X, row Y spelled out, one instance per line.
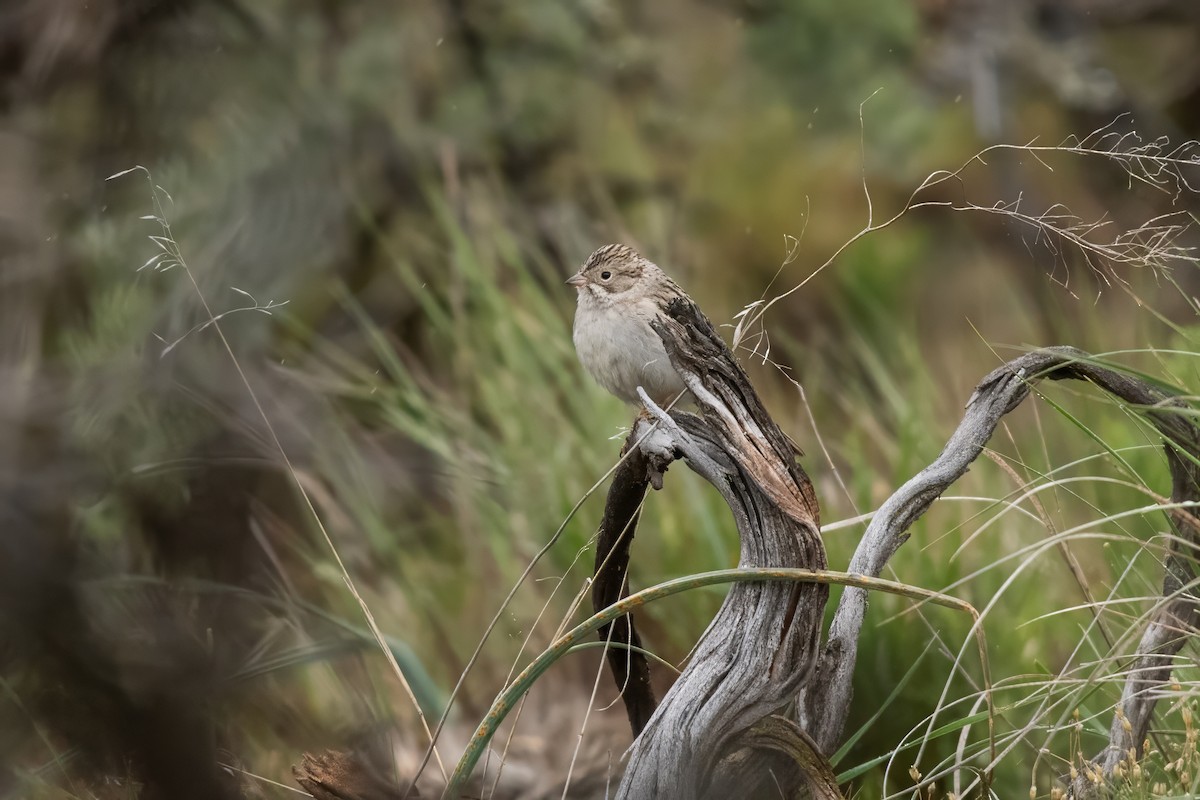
column 737, row 452
column 825, row 702
column 622, row 507
column 763, row 642
column 1172, row 621
column 784, row 736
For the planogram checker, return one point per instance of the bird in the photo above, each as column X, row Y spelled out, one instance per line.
column 619, row 293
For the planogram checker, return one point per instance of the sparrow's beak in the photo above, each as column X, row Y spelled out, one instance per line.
column 577, row 280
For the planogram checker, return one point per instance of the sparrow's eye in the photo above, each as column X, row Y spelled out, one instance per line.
column 605, row 275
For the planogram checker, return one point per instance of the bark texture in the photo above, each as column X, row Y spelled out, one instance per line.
column 763, row 642
column 622, row 508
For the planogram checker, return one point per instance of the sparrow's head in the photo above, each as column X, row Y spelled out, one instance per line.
column 613, row 270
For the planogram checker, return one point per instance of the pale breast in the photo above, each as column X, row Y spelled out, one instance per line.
column 621, row 351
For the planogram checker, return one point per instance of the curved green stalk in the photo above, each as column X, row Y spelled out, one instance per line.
column 507, row 699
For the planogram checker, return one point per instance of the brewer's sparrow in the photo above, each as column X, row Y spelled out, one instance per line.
column 620, row 292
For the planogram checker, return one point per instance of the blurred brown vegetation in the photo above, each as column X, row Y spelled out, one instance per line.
column 158, row 571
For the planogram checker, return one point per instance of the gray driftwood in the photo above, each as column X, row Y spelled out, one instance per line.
column 761, row 650
column 749, row 664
